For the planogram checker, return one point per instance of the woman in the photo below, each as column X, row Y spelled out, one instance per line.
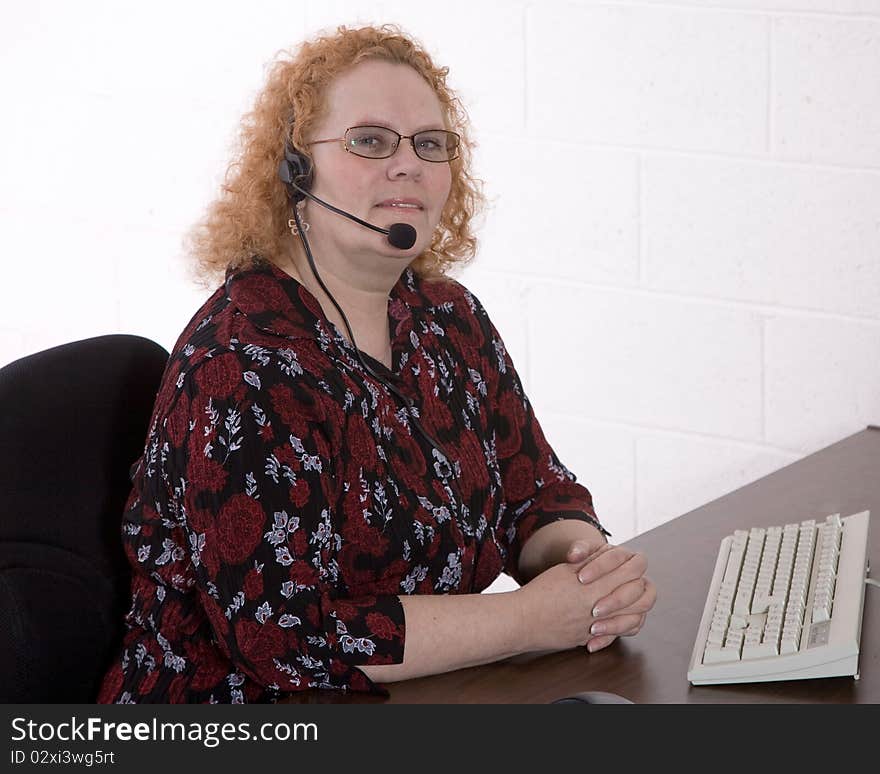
column 341, row 456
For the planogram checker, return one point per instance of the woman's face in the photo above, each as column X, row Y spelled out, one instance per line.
column 377, row 93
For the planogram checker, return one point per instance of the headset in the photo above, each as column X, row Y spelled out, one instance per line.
column 296, row 172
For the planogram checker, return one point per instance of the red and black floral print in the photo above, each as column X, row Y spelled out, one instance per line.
column 285, row 499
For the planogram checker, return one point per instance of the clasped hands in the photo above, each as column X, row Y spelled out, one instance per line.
column 622, row 612
column 599, row 593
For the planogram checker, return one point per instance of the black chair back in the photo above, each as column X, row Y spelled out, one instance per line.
column 73, row 421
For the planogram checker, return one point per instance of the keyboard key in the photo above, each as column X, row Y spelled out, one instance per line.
column 762, row 650
column 719, row 656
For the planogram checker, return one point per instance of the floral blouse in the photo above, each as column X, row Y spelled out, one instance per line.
column 284, row 499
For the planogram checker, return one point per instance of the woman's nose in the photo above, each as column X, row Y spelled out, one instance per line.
column 405, row 162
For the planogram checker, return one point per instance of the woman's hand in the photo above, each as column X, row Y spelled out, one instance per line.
column 558, row 610
column 622, row 612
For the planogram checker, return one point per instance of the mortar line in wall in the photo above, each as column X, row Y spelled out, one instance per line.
column 702, row 7
column 640, row 220
column 635, row 453
column 525, row 66
column 771, row 42
column 117, row 291
column 682, row 434
column 658, row 150
column 726, row 303
column 764, row 378
column 524, row 305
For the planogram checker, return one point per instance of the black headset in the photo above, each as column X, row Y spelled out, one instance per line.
column 295, row 170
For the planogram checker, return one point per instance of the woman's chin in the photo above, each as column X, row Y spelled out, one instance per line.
column 408, row 254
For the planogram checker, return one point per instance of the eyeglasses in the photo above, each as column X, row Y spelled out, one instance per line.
column 380, row 142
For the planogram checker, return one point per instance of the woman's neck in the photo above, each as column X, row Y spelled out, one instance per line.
column 365, row 309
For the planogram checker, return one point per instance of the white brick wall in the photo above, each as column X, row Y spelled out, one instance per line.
column 676, row 474
column 764, row 232
column 559, row 210
column 683, row 248
column 821, row 379
column 646, row 360
column 826, row 96
column 653, row 77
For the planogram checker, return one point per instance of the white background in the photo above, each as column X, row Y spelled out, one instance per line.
column 682, row 250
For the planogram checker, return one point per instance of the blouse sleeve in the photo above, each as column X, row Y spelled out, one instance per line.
column 249, row 474
column 537, row 488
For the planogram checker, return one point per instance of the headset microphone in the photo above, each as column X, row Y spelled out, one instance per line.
column 296, row 167
column 402, row 236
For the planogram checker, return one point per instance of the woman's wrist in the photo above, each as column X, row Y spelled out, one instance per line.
column 521, row 617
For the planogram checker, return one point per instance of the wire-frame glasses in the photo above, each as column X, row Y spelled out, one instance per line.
column 380, row 142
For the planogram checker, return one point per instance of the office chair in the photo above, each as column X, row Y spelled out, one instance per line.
column 73, row 420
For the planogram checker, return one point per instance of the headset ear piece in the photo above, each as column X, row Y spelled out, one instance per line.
column 295, row 168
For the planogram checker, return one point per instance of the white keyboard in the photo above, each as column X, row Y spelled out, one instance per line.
column 785, row 603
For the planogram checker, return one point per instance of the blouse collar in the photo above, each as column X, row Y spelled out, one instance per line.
column 277, row 303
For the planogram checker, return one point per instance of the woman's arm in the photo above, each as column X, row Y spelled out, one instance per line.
column 479, row 628
column 551, row 612
column 454, row 631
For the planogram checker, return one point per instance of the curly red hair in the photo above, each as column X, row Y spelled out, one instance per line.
column 248, row 221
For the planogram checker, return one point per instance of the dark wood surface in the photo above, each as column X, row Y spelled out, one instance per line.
column 652, row 667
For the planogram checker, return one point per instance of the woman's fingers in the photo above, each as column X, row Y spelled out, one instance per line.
column 612, row 628
column 634, row 599
column 582, row 551
column 597, row 643
column 636, row 596
column 605, row 561
column 633, row 569
column 618, row 625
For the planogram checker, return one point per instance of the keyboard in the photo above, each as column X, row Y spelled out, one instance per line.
column 785, row 603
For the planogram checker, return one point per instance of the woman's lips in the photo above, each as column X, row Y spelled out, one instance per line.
column 410, row 210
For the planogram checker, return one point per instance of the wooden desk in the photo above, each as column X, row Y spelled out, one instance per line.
column 652, row 667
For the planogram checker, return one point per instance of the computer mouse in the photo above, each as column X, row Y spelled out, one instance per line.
column 592, row 697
